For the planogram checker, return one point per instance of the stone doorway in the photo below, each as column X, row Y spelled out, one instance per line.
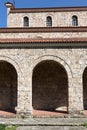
column 85, row 89
column 8, row 87
column 50, row 87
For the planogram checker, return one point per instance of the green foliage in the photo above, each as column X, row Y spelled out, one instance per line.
column 85, row 125
column 2, row 127
column 11, row 127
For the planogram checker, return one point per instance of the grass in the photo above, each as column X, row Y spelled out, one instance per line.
column 85, row 125
column 4, row 127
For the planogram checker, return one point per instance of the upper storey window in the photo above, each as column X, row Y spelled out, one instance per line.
column 49, row 21
column 26, row 21
column 74, row 20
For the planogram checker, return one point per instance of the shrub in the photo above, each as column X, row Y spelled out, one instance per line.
column 85, row 125
column 2, row 127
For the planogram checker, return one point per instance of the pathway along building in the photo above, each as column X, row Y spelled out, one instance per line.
column 43, row 60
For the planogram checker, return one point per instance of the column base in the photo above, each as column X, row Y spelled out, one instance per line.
column 23, row 113
column 76, row 113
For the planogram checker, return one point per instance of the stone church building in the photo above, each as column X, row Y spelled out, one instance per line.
column 43, row 60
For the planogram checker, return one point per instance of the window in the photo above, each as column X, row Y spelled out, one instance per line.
column 26, row 21
column 49, row 21
column 74, row 21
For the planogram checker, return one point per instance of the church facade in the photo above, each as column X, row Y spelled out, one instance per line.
column 43, row 60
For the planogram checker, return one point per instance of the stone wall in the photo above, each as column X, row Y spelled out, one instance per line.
column 59, row 19
column 63, row 70
column 24, row 61
column 44, row 35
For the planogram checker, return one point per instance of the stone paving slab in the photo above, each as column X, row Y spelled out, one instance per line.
column 44, row 121
column 51, row 128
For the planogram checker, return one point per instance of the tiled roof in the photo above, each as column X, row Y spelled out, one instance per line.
column 53, row 9
column 44, row 40
column 43, row 29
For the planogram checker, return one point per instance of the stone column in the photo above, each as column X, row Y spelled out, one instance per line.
column 75, row 95
column 24, row 97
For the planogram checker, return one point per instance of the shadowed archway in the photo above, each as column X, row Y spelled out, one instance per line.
column 50, row 87
column 85, row 89
column 8, row 87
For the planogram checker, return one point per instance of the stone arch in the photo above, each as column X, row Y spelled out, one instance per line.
column 54, row 58
column 56, row 62
column 13, row 62
column 8, row 86
column 20, row 78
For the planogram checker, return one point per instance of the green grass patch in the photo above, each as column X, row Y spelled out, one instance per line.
column 85, row 125
column 5, row 127
column 2, row 127
column 11, row 127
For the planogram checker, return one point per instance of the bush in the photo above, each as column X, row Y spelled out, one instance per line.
column 2, row 127
column 85, row 125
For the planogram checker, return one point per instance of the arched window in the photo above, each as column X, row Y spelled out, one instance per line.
column 49, row 21
column 26, row 21
column 74, row 20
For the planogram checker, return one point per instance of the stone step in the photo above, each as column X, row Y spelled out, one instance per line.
column 51, row 128
column 44, row 121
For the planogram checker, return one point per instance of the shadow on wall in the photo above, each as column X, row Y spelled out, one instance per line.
column 50, row 87
column 8, row 87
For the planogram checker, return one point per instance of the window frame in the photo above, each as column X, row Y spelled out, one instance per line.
column 74, row 20
column 26, row 21
column 48, row 21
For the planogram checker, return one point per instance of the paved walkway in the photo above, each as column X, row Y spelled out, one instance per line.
column 44, row 120
column 40, row 113
column 46, row 123
column 51, row 128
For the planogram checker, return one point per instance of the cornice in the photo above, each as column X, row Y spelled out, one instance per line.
column 43, row 29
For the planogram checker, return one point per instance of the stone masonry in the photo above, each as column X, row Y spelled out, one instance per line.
column 59, row 18
column 43, row 78
column 73, row 61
